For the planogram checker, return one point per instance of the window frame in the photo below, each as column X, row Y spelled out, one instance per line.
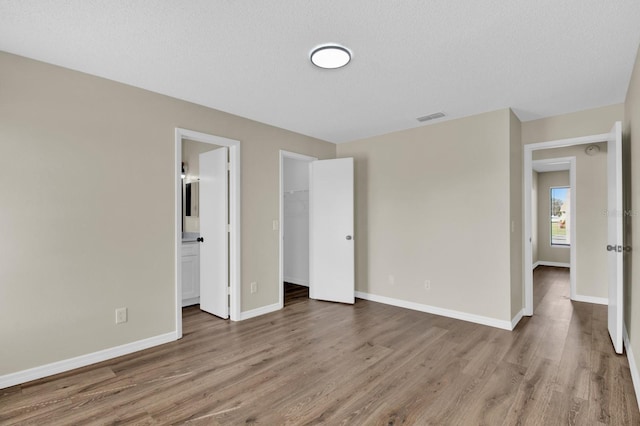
column 568, row 216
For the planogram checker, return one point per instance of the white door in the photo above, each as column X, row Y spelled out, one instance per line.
column 614, row 240
column 214, row 254
column 331, row 239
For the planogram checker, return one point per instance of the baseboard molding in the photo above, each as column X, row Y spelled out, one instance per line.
column 46, row 370
column 515, row 320
column 554, row 264
column 190, row 302
column 259, row 311
column 635, row 375
column 296, row 281
column 478, row 319
column 591, row 299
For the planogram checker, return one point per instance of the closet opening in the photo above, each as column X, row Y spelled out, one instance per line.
column 294, row 227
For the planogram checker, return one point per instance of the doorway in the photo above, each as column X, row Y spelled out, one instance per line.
column 589, row 259
column 230, row 166
column 294, row 226
column 553, row 225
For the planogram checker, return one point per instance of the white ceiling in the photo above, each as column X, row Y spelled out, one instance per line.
column 410, row 58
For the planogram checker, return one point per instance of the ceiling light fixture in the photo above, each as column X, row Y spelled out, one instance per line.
column 330, row 56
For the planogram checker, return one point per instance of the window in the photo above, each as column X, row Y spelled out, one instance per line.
column 560, row 213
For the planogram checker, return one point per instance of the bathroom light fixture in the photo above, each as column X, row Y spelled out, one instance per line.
column 330, row 56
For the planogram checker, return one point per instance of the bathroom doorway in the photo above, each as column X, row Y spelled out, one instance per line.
column 213, row 223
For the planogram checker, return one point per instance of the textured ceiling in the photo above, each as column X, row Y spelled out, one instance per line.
column 411, row 58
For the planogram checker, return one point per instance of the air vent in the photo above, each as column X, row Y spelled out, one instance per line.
column 430, row 116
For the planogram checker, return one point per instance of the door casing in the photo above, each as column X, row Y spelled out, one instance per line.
column 234, row 220
column 528, row 170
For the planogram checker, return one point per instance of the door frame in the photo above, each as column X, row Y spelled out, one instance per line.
column 234, row 220
column 528, row 170
column 572, row 217
column 302, row 157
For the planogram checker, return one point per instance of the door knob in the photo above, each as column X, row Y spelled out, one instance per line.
column 200, row 239
column 611, row 248
column 348, row 237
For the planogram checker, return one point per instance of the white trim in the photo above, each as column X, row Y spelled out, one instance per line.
column 591, row 299
column 41, row 371
column 296, row 281
column 516, row 319
column 573, row 222
column 234, row 220
column 259, row 311
column 285, row 154
column 190, row 302
column 178, row 235
column 554, row 264
column 633, row 367
column 478, row 319
column 528, row 170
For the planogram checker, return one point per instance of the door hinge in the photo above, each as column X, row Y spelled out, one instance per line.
column 229, row 291
column 228, row 227
column 229, row 166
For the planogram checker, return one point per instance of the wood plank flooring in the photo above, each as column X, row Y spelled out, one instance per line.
column 367, row 364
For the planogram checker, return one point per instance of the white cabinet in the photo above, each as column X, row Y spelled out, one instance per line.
column 190, row 274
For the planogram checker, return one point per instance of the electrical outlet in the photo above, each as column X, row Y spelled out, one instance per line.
column 392, row 280
column 121, row 315
column 254, row 287
column 427, row 284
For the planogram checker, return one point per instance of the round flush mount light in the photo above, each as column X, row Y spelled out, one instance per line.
column 330, row 56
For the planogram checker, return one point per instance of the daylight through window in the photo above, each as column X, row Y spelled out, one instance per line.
column 560, row 213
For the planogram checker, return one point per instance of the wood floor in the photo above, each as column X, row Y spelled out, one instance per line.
column 368, row 364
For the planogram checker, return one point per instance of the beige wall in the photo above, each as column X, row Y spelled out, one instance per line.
column 631, row 131
column 516, row 204
column 433, row 203
column 73, row 246
column 547, row 252
column 582, row 123
column 191, row 151
column 591, row 222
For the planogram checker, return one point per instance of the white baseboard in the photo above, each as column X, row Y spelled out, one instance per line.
column 260, row 311
column 591, row 299
column 35, row 373
column 635, row 375
column 515, row 320
column 555, row 264
column 190, row 302
column 296, row 281
column 478, row 319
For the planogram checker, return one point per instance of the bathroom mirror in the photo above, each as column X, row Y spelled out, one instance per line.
column 191, row 196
